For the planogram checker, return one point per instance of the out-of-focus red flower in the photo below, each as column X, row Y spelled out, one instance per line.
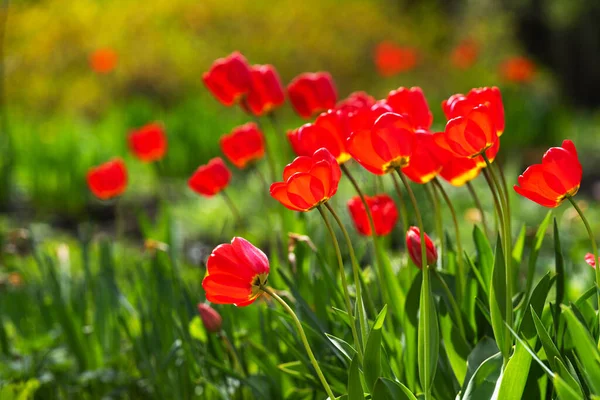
column 149, row 143
column 210, row 318
column 465, row 54
column 235, row 273
column 355, row 101
column 243, row 145
column 413, row 245
column 211, row 178
column 383, row 210
column 311, row 93
column 460, row 105
column 308, row 181
column 228, row 79
column 266, row 91
column 108, row 180
column 518, row 70
column 386, row 146
column 472, row 134
column 589, row 258
column 425, row 160
column 330, row 130
column 411, row 103
column 103, row 61
column 555, row 179
column 391, row 59
column 456, row 170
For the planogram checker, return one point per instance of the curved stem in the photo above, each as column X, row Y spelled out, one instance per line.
column 479, row 206
column 309, row 351
column 231, row 350
column 504, row 187
column 459, row 259
column 338, row 253
column 426, row 369
column 356, row 273
column 232, row 207
column 433, row 198
column 496, row 201
column 403, row 212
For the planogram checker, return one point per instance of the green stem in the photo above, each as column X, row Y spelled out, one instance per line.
column 426, row 371
column 268, row 148
column 459, row 259
column 338, row 253
column 504, row 187
column 356, row 272
column 496, row 201
column 232, row 207
column 403, row 212
column 439, row 228
column 309, row 351
column 479, row 207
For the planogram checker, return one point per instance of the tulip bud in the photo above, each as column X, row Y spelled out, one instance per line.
column 210, row 318
column 413, row 244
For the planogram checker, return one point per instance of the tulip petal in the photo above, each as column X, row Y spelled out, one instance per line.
column 250, row 256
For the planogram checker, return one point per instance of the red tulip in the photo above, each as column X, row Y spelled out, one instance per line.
column 211, row 178
column 589, row 258
column 412, row 104
column 383, row 210
column 229, row 78
column 243, row 145
column 425, row 160
column 148, row 143
column 236, row 273
column 413, row 245
column 386, row 146
column 465, row 54
column 330, row 131
column 364, row 118
column 311, row 93
column 210, row 318
column 266, row 91
column 391, row 59
column 460, row 105
column 518, row 70
column 472, row 134
column 356, row 101
column 555, row 179
column 103, row 61
column 308, row 181
column 108, row 180
column 457, row 170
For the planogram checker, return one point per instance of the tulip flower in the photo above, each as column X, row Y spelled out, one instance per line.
column 236, row 273
column 555, row 179
column 425, row 159
column 518, row 70
column 464, row 55
column 210, row 318
column 103, row 61
column 229, row 78
column 308, row 181
column 384, row 212
column 455, row 170
column 460, row 105
column 211, row 178
column 413, row 245
column 412, row 104
column 148, row 143
column 266, row 91
column 388, row 145
column 391, row 59
column 108, row 180
column 311, row 93
column 245, row 144
column 356, row 101
column 330, row 130
column 589, row 258
column 471, row 135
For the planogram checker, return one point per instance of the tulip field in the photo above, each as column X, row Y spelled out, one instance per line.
column 426, row 229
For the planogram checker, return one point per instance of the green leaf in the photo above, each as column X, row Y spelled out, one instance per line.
column 536, row 303
column 533, row 256
column 564, row 391
column 585, row 348
column 355, row 389
column 547, row 343
column 387, row 389
column 344, row 347
column 560, row 270
column 515, row 375
column 485, row 255
column 372, row 360
column 429, row 335
column 569, row 379
column 498, row 302
column 519, row 246
column 483, row 382
column 456, row 347
column 197, row 330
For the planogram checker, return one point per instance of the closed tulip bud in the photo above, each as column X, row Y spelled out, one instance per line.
column 210, row 318
column 413, row 244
